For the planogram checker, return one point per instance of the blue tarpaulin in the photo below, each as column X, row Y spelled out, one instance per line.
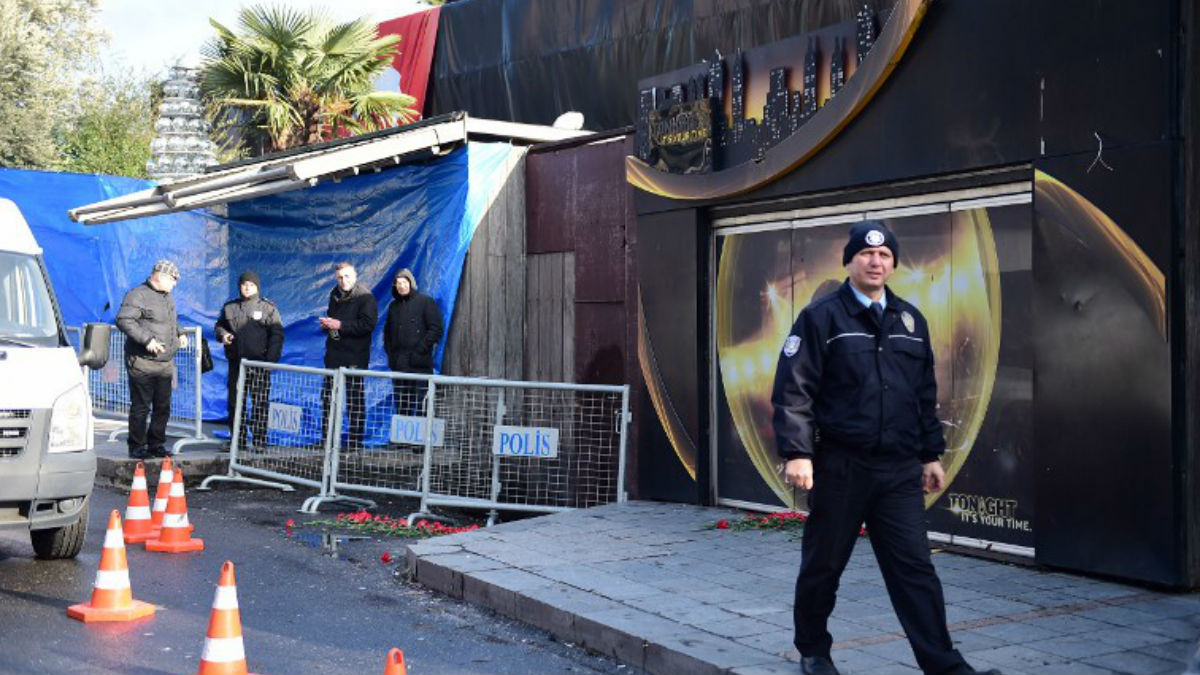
column 420, row 216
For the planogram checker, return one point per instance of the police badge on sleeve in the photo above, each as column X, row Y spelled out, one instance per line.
column 910, row 324
column 791, row 345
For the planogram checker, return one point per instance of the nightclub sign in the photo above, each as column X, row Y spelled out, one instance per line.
column 737, row 122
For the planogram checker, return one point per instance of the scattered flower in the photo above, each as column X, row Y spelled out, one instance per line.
column 722, row 524
column 363, row 521
column 385, row 558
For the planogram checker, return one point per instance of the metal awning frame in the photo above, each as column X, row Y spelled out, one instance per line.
column 306, row 167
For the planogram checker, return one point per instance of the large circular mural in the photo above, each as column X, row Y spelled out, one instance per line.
column 948, row 269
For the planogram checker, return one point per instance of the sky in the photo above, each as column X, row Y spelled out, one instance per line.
column 150, row 35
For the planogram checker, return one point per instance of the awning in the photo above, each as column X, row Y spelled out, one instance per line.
column 307, row 166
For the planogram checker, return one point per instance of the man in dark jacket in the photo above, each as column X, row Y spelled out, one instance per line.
column 855, row 421
column 152, row 335
column 250, row 328
column 348, row 325
column 411, row 331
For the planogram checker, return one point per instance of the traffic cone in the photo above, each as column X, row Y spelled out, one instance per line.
column 175, row 536
column 224, row 653
column 138, row 527
column 112, row 598
column 395, row 663
column 162, row 494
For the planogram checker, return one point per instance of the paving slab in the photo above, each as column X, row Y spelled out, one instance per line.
column 652, row 585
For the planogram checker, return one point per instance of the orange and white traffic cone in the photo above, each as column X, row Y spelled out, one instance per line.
column 175, row 536
column 395, row 663
column 138, row 527
column 224, row 653
column 162, row 494
column 112, row 597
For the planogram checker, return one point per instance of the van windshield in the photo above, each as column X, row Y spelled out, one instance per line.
column 26, row 313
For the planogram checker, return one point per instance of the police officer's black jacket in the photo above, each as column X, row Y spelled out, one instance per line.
column 845, row 384
column 358, row 313
column 411, row 331
column 256, row 327
column 145, row 314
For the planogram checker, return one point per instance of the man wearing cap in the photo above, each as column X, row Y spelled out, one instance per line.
column 348, row 325
column 250, row 328
column 411, row 331
column 855, row 421
column 152, row 335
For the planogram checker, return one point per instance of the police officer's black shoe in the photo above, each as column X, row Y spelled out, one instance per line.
column 158, row 452
column 139, row 453
column 817, row 665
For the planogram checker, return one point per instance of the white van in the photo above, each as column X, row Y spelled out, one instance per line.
column 47, row 464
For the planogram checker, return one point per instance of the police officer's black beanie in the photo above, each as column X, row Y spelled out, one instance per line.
column 867, row 234
column 251, row 276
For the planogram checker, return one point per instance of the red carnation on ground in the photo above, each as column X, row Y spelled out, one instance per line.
column 722, row 524
column 385, row 558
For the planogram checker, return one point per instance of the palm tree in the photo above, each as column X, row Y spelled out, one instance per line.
column 290, row 78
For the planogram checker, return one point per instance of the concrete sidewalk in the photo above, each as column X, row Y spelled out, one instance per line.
column 114, row 468
column 648, row 584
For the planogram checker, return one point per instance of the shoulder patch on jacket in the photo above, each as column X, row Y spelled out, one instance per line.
column 791, row 345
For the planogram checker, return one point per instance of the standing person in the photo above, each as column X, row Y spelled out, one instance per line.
column 348, row 325
column 152, row 335
column 250, row 328
column 411, row 331
column 855, row 401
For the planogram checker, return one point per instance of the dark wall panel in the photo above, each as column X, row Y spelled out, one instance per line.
column 599, row 207
column 1104, row 68
column 1102, row 392
column 600, row 343
column 552, row 181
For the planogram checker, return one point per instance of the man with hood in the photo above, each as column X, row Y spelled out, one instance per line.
column 348, row 325
column 411, row 331
column 250, row 327
column 152, row 335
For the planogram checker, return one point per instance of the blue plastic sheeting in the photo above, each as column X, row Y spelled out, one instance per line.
column 417, row 216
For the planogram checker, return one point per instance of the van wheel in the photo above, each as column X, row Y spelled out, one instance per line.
column 61, row 542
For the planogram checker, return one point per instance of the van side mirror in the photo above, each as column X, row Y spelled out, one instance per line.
column 94, row 352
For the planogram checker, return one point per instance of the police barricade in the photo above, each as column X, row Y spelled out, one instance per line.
column 281, row 431
column 109, row 388
column 480, row 443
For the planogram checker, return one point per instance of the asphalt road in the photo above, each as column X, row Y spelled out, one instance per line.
column 304, row 609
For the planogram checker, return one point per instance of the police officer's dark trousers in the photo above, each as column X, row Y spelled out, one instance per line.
column 890, row 501
column 149, row 395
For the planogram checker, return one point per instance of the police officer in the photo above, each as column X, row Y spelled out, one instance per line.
column 855, row 400
column 250, row 328
column 152, row 335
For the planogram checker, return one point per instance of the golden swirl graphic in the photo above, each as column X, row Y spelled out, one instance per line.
column 664, row 408
column 1106, row 240
column 816, row 133
column 951, row 273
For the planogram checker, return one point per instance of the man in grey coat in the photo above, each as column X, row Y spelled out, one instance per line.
column 152, row 335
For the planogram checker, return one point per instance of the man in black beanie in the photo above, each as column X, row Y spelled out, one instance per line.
column 855, row 421
column 250, row 328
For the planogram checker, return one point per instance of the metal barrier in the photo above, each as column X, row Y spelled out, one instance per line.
column 281, row 431
column 109, row 388
column 482, row 443
column 448, row 441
